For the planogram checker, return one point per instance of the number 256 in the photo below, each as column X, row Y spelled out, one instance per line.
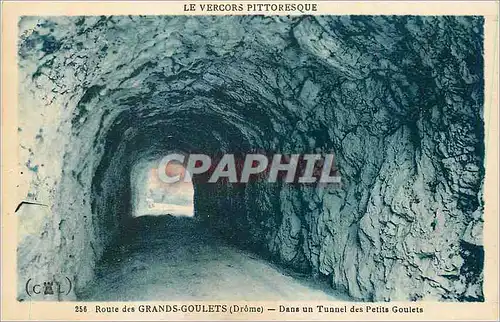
column 80, row 308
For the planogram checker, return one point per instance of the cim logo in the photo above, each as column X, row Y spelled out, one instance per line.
column 48, row 288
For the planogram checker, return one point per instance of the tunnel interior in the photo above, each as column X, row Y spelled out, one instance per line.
column 397, row 99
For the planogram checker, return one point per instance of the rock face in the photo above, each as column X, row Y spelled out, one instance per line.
column 397, row 99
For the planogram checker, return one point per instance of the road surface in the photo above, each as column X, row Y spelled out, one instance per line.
column 169, row 258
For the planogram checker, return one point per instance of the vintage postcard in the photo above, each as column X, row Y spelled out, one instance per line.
column 245, row 160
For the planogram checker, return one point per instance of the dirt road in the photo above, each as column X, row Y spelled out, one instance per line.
column 173, row 259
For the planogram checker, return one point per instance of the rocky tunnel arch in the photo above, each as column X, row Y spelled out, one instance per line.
column 111, row 91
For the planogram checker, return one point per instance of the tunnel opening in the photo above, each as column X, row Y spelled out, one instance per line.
column 152, row 196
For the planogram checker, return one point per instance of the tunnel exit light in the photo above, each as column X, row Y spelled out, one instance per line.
column 292, row 168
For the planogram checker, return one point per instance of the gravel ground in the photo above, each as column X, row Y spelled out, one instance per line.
column 168, row 258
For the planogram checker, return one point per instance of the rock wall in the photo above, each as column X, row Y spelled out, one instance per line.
column 398, row 99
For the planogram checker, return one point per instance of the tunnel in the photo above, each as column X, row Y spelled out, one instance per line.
column 397, row 99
